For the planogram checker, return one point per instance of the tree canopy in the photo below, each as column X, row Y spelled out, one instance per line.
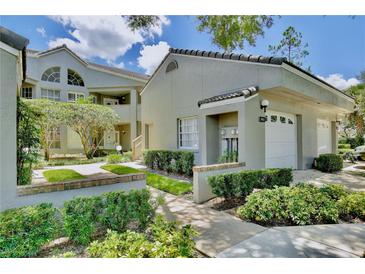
column 291, row 46
column 230, row 32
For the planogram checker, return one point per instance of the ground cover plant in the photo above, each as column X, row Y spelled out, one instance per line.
column 164, row 183
column 70, row 161
column 62, row 175
column 303, row 205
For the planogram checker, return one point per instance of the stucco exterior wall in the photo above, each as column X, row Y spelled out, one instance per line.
column 8, row 88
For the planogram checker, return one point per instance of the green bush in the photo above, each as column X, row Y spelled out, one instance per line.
column 241, row 184
column 344, row 146
column 299, row 205
column 165, row 240
column 335, row 192
column 329, row 162
column 118, row 210
column 114, row 159
column 80, row 217
column 23, row 231
column 352, row 206
column 179, row 162
column 355, row 142
column 342, row 151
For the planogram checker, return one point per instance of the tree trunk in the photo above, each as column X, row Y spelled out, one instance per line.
column 46, row 154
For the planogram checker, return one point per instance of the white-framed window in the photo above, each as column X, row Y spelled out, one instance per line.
column 51, row 94
column 55, row 138
column 27, row 92
column 51, row 75
column 188, row 133
column 74, row 79
column 73, row 96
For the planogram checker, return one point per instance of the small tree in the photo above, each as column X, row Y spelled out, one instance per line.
column 51, row 118
column 28, row 139
column 89, row 121
column 291, row 46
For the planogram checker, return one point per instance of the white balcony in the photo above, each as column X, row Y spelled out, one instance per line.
column 124, row 112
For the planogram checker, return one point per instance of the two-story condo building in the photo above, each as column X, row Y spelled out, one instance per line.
column 61, row 75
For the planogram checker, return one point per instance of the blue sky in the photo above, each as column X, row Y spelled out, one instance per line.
column 336, row 43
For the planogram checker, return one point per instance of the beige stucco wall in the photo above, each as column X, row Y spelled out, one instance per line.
column 8, row 89
column 173, row 95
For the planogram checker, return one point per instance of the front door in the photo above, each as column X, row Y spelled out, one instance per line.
column 109, row 139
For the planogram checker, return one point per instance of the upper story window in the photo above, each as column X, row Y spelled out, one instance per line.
column 73, row 96
column 51, row 94
column 188, row 133
column 74, row 79
column 52, row 75
column 27, row 92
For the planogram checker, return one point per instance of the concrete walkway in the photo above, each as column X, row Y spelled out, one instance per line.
column 223, row 235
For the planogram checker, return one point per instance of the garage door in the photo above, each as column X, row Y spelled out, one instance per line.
column 280, row 140
column 324, row 136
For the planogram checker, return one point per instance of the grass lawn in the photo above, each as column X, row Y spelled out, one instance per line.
column 61, row 175
column 170, row 185
column 65, row 162
column 120, row 170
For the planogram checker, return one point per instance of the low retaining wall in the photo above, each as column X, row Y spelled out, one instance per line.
column 58, row 193
column 201, row 189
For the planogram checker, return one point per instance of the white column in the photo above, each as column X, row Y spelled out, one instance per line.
column 133, row 114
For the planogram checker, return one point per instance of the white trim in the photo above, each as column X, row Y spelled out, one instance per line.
column 9, row 49
column 197, row 132
column 315, row 81
column 51, row 51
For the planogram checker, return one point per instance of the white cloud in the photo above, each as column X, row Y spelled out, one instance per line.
column 339, row 81
column 106, row 37
column 42, row 31
column 152, row 55
column 115, row 64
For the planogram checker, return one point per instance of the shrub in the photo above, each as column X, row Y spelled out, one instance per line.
column 179, row 162
column 240, row 184
column 23, row 231
column 299, row 205
column 344, row 146
column 342, row 151
column 335, row 192
column 114, row 158
column 329, row 162
column 165, row 240
column 352, row 206
column 81, row 218
column 118, row 210
column 356, row 142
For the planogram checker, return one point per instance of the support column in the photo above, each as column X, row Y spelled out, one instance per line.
column 133, row 114
column 334, row 137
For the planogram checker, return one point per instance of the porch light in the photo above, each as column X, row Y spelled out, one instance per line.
column 264, row 104
column 223, row 132
column 118, row 148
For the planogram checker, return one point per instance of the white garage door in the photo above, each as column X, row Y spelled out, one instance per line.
column 324, row 136
column 280, row 140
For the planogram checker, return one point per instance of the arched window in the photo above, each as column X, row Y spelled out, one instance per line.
column 52, row 75
column 74, row 79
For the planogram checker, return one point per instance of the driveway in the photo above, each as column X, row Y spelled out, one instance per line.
column 345, row 177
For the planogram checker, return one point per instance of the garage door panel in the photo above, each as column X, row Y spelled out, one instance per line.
column 280, row 140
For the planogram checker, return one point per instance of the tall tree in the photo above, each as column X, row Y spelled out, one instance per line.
column 355, row 120
column 361, row 77
column 291, row 46
column 136, row 22
column 230, row 32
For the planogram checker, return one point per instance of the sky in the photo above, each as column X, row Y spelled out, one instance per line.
column 336, row 44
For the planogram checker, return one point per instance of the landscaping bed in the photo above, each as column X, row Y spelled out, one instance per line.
column 112, row 225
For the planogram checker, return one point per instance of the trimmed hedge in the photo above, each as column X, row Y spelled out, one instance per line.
column 23, row 231
column 240, row 184
column 352, row 206
column 329, row 162
column 179, row 162
column 118, row 210
column 298, row 205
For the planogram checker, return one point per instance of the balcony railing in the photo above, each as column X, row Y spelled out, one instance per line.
column 124, row 112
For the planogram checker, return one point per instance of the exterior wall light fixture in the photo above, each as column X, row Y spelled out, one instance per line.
column 264, row 104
